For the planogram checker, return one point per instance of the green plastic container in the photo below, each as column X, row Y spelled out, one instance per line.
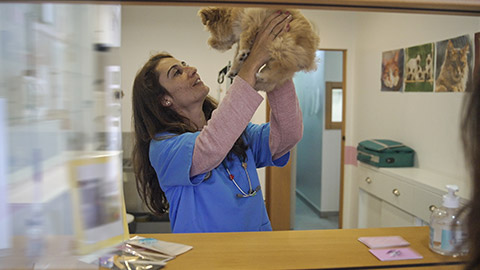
column 385, row 153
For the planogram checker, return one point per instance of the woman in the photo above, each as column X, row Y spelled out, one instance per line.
column 201, row 161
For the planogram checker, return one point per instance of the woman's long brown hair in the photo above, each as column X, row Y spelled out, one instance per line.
column 471, row 145
column 149, row 119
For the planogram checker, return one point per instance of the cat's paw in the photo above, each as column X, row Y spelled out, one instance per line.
column 232, row 74
column 242, row 55
column 260, row 77
column 234, row 70
column 264, row 86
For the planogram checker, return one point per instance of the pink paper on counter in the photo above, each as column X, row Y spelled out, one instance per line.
column 383, row 241
column 395, row 254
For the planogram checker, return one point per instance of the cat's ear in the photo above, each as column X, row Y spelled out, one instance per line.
column 210, row 15
column 450, row 48
column 450, row 45
column 396, row 56
column 466, row 48
column 204, row 14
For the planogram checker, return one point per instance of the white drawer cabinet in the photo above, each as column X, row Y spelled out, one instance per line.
column 374, row 213
column 391, row 197
column 387, row 188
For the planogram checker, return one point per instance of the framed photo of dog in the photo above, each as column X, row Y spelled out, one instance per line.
column 419, row 68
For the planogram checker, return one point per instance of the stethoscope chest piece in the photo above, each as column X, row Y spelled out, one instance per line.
column 251, row 192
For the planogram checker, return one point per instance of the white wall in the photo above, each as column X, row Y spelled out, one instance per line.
column 332, row 143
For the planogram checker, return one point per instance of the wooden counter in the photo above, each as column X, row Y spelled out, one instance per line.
column 319, row 249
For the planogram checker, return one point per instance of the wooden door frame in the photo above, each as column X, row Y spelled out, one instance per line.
column 278, row 199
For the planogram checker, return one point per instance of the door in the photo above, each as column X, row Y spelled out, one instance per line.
column 280, row 193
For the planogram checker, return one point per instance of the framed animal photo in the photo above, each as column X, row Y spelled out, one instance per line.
column 392, row 70
column 419, row 63
column 454, row 65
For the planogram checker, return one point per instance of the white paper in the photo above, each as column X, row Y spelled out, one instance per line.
column 168, row 248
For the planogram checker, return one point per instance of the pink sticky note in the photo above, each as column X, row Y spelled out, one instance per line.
column 395, row 254
column 383, row 241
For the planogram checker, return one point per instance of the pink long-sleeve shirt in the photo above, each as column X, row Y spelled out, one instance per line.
column 234, row 113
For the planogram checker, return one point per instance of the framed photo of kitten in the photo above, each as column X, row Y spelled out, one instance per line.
column 454, row 65
column 419, row 65
column 392, row 70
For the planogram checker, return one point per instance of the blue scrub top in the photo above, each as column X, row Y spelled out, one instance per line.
column 201, row 204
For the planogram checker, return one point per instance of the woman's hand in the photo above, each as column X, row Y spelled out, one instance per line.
column 273, row 26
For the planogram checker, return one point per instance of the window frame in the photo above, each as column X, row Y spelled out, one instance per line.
column 329, row 86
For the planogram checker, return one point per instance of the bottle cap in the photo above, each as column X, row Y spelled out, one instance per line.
column 451, row 200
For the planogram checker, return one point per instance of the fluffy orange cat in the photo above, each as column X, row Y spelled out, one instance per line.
column 290, row 52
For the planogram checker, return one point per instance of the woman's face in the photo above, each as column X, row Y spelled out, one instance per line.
column 183, row 84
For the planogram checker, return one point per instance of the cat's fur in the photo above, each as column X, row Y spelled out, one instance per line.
column 290, row 52
column 453, row 74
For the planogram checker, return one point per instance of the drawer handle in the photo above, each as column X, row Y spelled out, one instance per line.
column 396, row 192
column 368, row 180
column 432, row 208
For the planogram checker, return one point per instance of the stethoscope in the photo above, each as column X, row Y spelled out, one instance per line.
column 251, row 192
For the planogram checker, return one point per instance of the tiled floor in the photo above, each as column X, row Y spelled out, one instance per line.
column 306, row 219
